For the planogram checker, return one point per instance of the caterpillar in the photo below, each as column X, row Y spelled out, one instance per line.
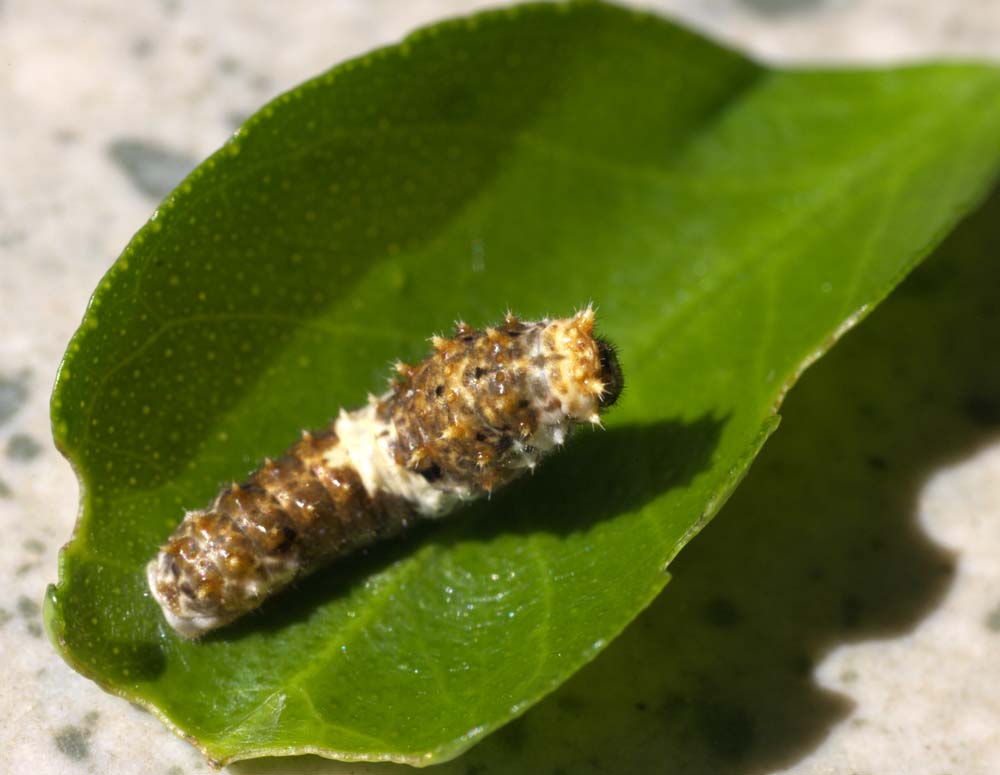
column 483, row 408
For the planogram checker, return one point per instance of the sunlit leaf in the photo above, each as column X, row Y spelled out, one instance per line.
column 729, row 221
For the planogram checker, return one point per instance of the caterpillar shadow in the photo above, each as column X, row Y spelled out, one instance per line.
column 600, row 474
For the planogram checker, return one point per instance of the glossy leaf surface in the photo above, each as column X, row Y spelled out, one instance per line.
column 729, row 221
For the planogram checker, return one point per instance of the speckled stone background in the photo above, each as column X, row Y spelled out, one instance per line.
column 105, row 105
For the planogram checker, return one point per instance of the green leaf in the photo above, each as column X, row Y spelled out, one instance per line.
column 729, row 220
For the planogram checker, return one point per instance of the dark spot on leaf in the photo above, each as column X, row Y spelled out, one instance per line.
column 13, row 394
column 72, row 741
column 721, row 612
column 877, row 463
column 23, row 447
column 993, row 620
column 153, row 169
column 726, row 730
column 983, row 410
column 641, row 706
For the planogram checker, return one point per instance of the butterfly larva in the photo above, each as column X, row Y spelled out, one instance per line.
column 483, row 408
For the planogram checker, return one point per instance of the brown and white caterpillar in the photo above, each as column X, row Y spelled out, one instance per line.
column 482, row 409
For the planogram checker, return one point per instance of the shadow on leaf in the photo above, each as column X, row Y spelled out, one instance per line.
column 599, row 475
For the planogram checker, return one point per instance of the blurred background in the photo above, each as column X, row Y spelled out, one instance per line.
column 105, row 106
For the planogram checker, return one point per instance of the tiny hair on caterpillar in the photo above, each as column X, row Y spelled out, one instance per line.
column 484, row 407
